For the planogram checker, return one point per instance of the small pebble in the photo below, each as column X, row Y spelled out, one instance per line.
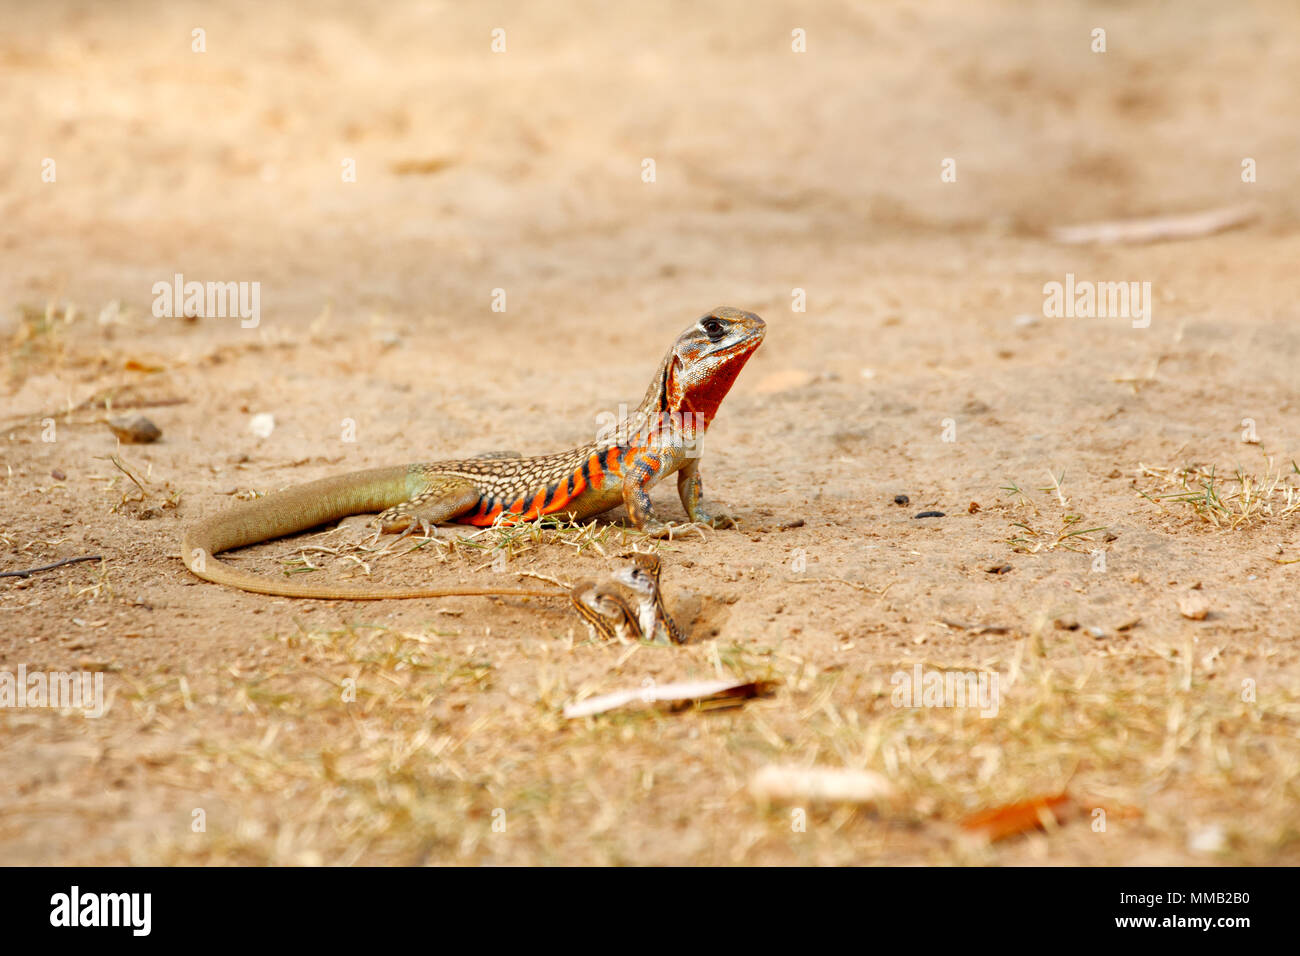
column 58, row 475
column 902, row 500
column 1207, row 839
column 262, row 425
column 929, row 514
column 135, row 430
column 1193, row 606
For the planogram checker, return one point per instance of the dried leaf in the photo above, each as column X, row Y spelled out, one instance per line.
column 135, row 365
column 704, row 692
column 1013, row 819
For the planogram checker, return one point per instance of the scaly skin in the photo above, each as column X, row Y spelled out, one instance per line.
column 661, row 437
column 640, row 575
column 606, row 612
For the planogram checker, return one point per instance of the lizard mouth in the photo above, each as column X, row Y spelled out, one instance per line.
column 747, row 343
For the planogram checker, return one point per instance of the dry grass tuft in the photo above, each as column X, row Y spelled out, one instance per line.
column 39, row 341
column 1231, row 502
column 1033, row 536
column 379, row 745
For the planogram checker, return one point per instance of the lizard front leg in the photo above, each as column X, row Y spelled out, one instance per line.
column 644, row 472
column 690, row 487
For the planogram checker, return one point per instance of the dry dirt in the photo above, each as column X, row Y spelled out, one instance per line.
column 923, row 365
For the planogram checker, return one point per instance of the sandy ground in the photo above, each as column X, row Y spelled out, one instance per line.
column 923, row 365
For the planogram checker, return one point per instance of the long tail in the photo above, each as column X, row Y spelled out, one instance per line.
column 297, row 509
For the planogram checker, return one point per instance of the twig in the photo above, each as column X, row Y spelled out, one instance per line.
column 1157, row 228
column 852, row 584
column 28, row 572
column 127, row 471
column 104, row 398
column 545, row 577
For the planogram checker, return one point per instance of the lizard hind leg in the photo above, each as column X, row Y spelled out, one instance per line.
column 445, row 497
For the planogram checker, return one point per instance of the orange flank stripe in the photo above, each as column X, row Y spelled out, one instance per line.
column 480, row 517
column 545, row 502
column 558, row 500
column 613, row 462
column 562, row 495
column 538, row 507
column 596, row 472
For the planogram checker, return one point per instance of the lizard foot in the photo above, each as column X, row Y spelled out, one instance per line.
column 666, row 529
column 443, row 499
column 716, row 521
column 411, row 525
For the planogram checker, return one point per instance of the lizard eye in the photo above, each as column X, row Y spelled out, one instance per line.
column 713, row 328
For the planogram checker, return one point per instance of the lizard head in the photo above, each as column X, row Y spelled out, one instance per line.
column 706, row 359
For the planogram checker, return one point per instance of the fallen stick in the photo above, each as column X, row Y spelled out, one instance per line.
column 1156, row 228
column 28, row 572
column 701, row 692
column 787, row 783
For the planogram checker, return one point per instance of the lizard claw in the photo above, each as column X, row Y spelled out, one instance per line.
column 716, row 521
column 658, row 529
column 425, row 528
column 665, row 529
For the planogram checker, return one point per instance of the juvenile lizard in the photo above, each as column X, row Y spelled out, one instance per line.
column 661, row 437
column 640, row 575
column 606, row 612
